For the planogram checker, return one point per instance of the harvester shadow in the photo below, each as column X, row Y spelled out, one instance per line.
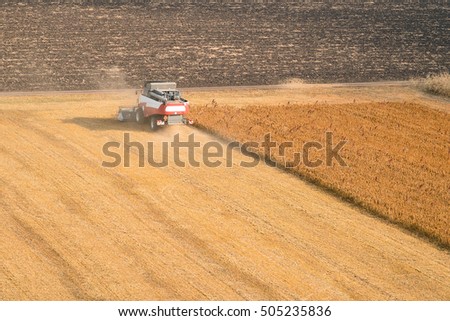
column 102, row 124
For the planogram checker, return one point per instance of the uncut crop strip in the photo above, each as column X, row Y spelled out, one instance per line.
column 397, row 154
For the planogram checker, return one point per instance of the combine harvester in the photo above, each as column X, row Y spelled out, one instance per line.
column 160, row 103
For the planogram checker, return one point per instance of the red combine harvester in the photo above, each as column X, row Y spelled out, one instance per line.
column 160, row 103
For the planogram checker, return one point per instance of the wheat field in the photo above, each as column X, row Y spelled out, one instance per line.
column 397, row 153
column 75, row 230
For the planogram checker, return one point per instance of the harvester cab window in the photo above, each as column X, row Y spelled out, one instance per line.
column 172, row 95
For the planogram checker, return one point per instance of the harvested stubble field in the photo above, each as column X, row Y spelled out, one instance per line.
column 72, row 229
column 397, row 154
column 66, row 47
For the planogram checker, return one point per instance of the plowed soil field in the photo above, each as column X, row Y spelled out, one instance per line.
column 73, row 229
column 217, row 43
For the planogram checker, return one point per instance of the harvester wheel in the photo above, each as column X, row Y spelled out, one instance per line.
column 139, row 116
column 153, row 124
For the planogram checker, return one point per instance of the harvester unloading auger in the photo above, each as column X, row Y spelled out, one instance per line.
column 159, row 103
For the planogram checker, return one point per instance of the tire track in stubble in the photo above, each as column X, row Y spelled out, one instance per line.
column 70, row 278
column 177, row 233
column 70, row 204
column 316, row 255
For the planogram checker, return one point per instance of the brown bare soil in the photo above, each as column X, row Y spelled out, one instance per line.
column 209, row 43
column 72, row 229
